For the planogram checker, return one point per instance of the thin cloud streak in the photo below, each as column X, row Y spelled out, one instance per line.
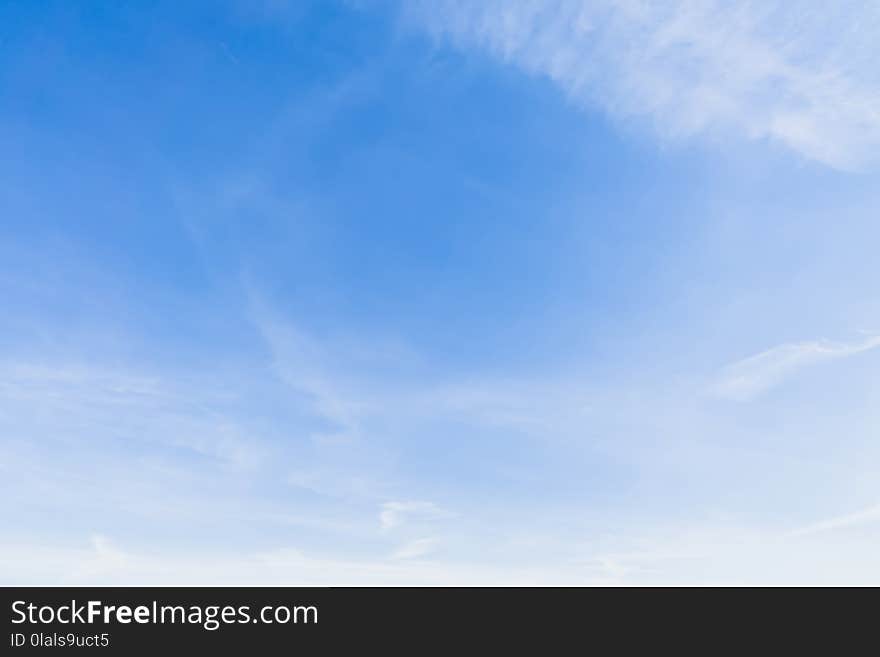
column 868, row 516
column 748, row 378
column 395, row 514
column 760, row 70
column 415, row 549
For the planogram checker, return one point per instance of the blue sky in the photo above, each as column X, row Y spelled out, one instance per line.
column 439, row 292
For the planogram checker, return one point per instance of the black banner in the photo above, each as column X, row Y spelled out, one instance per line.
column 413, row 620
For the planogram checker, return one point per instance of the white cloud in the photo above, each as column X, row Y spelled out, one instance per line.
column 864, row 517
column 104, row 558
column 90, row 565
column 415, row 549
column 395, row 514
column 642, row 554
column 802, row 74
column 80, row 404
column 303, row 363
column 752, row 376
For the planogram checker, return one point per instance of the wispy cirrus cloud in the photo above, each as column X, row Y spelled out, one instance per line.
column 94, row 406
column 756, row 374
column 801, row 74
column 395, row 514
column 414, row 549
column 868, row 516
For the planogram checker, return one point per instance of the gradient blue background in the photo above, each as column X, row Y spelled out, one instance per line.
column 306, row 293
